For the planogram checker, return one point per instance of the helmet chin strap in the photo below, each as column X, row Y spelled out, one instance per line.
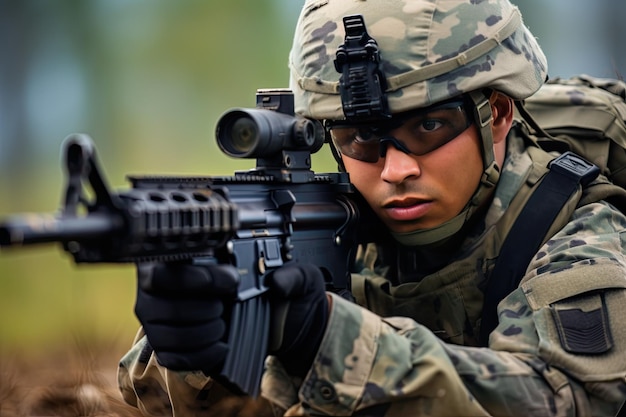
column 440, row 234
column 435, row 235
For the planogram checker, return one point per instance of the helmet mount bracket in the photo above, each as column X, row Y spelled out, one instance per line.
column 362, row 83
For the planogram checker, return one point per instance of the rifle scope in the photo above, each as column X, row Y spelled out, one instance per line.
column 263, row 133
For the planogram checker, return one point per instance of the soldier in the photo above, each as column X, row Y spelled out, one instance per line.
column 418, row 99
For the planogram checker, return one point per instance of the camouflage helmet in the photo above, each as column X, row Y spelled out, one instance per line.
column 430, row 50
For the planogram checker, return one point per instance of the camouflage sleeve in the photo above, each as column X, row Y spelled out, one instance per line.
column 158, row 391
column 566, row 318
column 154, row 389
column 558, row 350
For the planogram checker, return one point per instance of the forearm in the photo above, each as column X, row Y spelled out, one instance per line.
column 385, row 367
column 156, row 390
column 392, row 366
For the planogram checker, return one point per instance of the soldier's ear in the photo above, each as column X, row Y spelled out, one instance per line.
column 502, row 108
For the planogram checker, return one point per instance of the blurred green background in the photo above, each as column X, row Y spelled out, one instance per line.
column 148, row 79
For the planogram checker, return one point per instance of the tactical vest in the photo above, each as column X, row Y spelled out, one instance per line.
column 450, row 301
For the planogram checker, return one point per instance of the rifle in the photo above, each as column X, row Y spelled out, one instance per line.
column 255, row 220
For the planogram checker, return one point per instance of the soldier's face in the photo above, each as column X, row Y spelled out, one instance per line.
column 410, row 192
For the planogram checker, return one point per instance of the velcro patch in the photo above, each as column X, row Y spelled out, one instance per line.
column 584, row 332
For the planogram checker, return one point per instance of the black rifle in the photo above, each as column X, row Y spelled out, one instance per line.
column 256, row 220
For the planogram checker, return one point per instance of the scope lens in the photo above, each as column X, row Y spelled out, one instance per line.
column 244, row 134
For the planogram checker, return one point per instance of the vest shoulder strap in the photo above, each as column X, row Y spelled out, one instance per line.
column 566, row 175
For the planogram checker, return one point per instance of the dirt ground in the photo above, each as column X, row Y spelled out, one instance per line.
column 81, row 382
column 64, row 383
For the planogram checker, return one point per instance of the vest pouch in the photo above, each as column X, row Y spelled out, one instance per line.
column 450, row 308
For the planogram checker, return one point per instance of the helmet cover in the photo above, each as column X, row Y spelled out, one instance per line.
column 430, row 51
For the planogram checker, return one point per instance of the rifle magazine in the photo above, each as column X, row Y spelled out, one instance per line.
column 249, row 333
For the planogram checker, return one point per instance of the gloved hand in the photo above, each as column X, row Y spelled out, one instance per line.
column 181, row 308
column 299, row 315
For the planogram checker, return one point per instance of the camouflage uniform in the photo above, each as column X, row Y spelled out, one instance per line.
column 382, row 364
column 560, row 344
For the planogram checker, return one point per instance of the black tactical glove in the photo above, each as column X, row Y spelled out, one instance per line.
column 181, row 308
column 299, row 315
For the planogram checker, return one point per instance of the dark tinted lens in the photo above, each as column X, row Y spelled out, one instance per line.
column 357, row 143
column 427, row 129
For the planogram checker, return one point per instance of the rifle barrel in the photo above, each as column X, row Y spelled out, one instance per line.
column 45, row 228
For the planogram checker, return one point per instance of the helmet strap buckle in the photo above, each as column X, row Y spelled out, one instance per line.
column 483, row 117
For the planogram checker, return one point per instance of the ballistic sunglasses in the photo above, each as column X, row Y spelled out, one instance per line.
column 429, row 128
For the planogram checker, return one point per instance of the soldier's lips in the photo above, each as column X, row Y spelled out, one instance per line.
column 407, row 209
